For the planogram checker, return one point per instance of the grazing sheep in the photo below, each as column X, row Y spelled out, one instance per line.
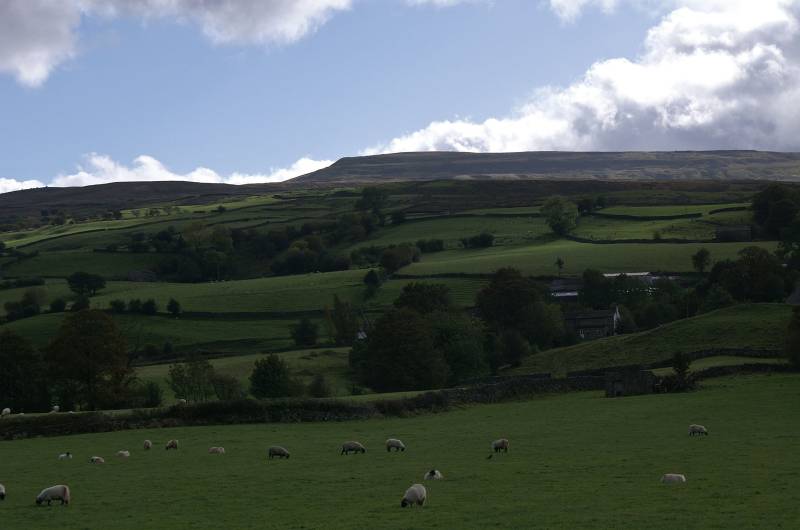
column 6, row 411
column 499, row 445
column 216, row 450
column 673, row 478
column 698, row 430
column 124, row 454
column 394, row 443
column 434, row 474
column 172, row 444
column 148, row 445
column 55, row 409
column 416, row 494
column 2, row 492
column 54, row 493
column 65, row 456
column 97, row 460
column 352, row 447
column 181, row 401
column 278, row 451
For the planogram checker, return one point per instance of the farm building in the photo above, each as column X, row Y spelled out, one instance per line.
column 566, row 289
column 593, row 324
column 630, row 382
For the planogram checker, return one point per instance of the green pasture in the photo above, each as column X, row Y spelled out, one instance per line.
column 575, row 461
column 61, row 264
column 540, row 259
column 754, row 326
column 672, row 209
column 605, row 228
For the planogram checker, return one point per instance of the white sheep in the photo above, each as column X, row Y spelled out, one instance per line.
column 54, row 493
column 394, row 443
column 97, row 460
column 698, row 430
column 55, row 409
column 278, row 451
column 124, row 454
column 148, row 445
column 673, row 478
column 6, row 412
column 182, row 401
column 416, row 494
column 65, row 456
column 2, row 492
column 434, row 474
column 499, row 445
column 172, row 444
column 352, row 447
column 216, row 450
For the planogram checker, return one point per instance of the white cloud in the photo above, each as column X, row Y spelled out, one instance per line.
column 7, row 185
column 713, row 74
column 36, row 36
column 101, row 169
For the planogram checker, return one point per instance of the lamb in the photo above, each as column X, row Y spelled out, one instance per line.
column 394, row 443
column 65, row 456
column 123, row 454
column 433, row 474
column 698, row 430
column 416, row 494
column 499, row 445
column 54, row 493
column 673, row 478
column 2, row 492
column 172, row 444
column 6, row 412
column 216, row 451
column 97, row 460
column 353, row 447
column 278, row 451
column 148, row 445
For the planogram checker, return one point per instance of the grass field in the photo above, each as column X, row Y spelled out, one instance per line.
column 755, row 326
column 540, row 259
column 676, row 209
column 604, row 228
column 62, row 264
column 599, row 468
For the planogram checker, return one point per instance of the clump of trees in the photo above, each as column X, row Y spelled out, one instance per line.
column 271, row 379
column 147, row 307
column 560, row 214
column 482, row 240
column 196, row 380
column 85, row 283
column 305, row 333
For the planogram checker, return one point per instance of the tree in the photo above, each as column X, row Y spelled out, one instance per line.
column 373, row 199
column 117, row 306
column 305, row 332
column 716, row 298
column 398, row 217
column 89, row 354
column 425, row 298
column 597, row 291
column 373, row 281
column 192, row 380
column 461, row 341
column 80, row 303
column 227, row 387
column 59, row 305
column 792, row 347
column 319, row 387
column 270, row 378
column 701, row 260
column 560, row 214
column 85, row 284
column 513, row 347
column 22, row 383
column 134, row 305
column 344, row 322
column 149, row 307
column 174, row 307
column 560, row 265
column 681, row 364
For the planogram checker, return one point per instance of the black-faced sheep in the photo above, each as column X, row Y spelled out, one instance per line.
column 148, row 445
column 276, row 451
column 352, row 447
column 65, row 456
column 6, row 412
column 2, row 492
column 394, row 443
column 172, row 444
column 499, row 445
column 416, row 494
column 433, row 474
column 673, row 478
column 54, row 493
column 698, row 430
column 97, row 460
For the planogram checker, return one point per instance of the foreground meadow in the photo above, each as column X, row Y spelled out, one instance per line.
column 576, row 460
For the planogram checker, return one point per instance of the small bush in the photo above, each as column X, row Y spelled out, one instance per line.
column 59, row 305
column 483, row 240
column 319, row 387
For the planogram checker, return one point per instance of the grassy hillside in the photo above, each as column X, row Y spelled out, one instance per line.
column 599, row 468
column 756, row 326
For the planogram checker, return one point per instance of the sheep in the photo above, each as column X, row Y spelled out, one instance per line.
column 433, row 474
column 394, row 443
column 148, row 445
column 673, row 478
column 54, row 493
column 416, row 494
column 55, row 409
column 97, row 460
column 124, row 454
column 182, row 401
column 499, row 445
column 698, row 430
column 2, row 492
column 172, row 444
column 6, row 411
column 353, row 447
column 65, row 456
column 278, row 451
column 216, row 450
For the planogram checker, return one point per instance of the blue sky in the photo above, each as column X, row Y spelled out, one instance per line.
column 135, row 94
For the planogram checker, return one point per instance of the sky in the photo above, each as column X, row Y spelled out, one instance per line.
column 243, row 91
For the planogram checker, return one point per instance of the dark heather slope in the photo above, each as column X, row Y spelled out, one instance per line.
column 683, row 165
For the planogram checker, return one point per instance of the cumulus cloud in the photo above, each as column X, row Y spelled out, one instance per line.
column 7, row 185
column 713, row 74
column 38, row 35
column 102, row 169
